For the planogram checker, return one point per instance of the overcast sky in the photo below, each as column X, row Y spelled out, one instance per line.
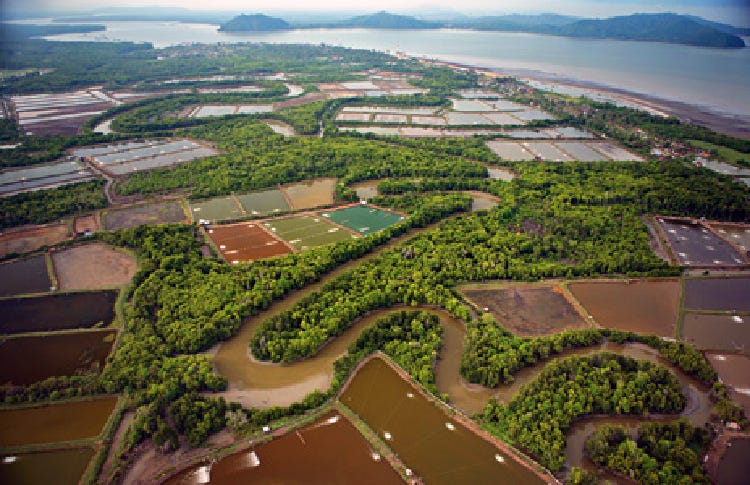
column 734, row 11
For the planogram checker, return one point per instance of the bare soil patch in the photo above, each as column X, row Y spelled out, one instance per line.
column 527, row 310
column 87, row 223
column 93, row 266
column 31, row 238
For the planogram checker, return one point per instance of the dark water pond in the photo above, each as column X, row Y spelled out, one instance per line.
column 25, row 276
column 28, row 359
column 57, row 312
column 61, row 467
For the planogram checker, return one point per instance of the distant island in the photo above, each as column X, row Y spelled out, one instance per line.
column 666, row 27
column 254, row 23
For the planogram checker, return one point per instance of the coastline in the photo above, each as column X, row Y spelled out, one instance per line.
column 726, row 123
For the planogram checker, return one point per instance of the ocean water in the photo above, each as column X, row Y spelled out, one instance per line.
column 708, row 77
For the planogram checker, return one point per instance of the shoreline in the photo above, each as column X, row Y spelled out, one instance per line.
column 726, row 123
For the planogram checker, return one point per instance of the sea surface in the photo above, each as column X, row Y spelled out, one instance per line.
column 712, row 78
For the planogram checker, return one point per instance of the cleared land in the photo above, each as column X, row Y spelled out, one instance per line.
column 305, row 232
column 527, row 310
column 93, row 266
column 717, row 332
column 28, row 359
column 309, row 194
column 218, row 209
column 87, row 223
column 24, row 276
column 16, row 181
column 57, row 312
column 31, row 238
column 363, row 219
column 125, row 158
column 720, row 294
column 263, row 203
column 163, row 213
column 648, row 307
column 246, row 241
column 694, row 245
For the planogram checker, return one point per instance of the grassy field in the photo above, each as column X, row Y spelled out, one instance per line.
column 726, row 154
column 364, row 219
column 305, row 232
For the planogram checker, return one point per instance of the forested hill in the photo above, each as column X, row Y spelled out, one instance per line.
column 663, row 27
column 256, row 22
column 385, row 20
column 667, row 27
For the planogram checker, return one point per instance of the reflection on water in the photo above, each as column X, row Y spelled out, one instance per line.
column 437, row 447
column 330, row 450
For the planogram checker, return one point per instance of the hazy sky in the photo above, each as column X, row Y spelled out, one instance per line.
column 736, row 11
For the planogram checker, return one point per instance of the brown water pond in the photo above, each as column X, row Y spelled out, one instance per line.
column 481, row 201
column 28, row 359
column 647, row 307
column 367, row 189
column 331, row 450
column 734, row 371
column 717, row 294
column 57, row 312
column 61, row 467
column 437, row 447
column 526, row 310
column 717, row 332
column 56, row 422
column 734, row 468
column 24, row 276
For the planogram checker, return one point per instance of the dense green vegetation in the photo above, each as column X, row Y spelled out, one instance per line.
column 258, row 158
column 49, row 205
column 555, row 220
column 543, row 410
column 662, row 453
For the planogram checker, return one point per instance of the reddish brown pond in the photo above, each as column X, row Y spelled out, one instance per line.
column 28, row 359
column 330, row 450
column 526, row 310
column 734, row 371
column 717, row 332
column 56, row 422
column 61, row 467
column 717, row 294
column 437, row 447
column 734, row 468
column 648, row 307
column 57, row 312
